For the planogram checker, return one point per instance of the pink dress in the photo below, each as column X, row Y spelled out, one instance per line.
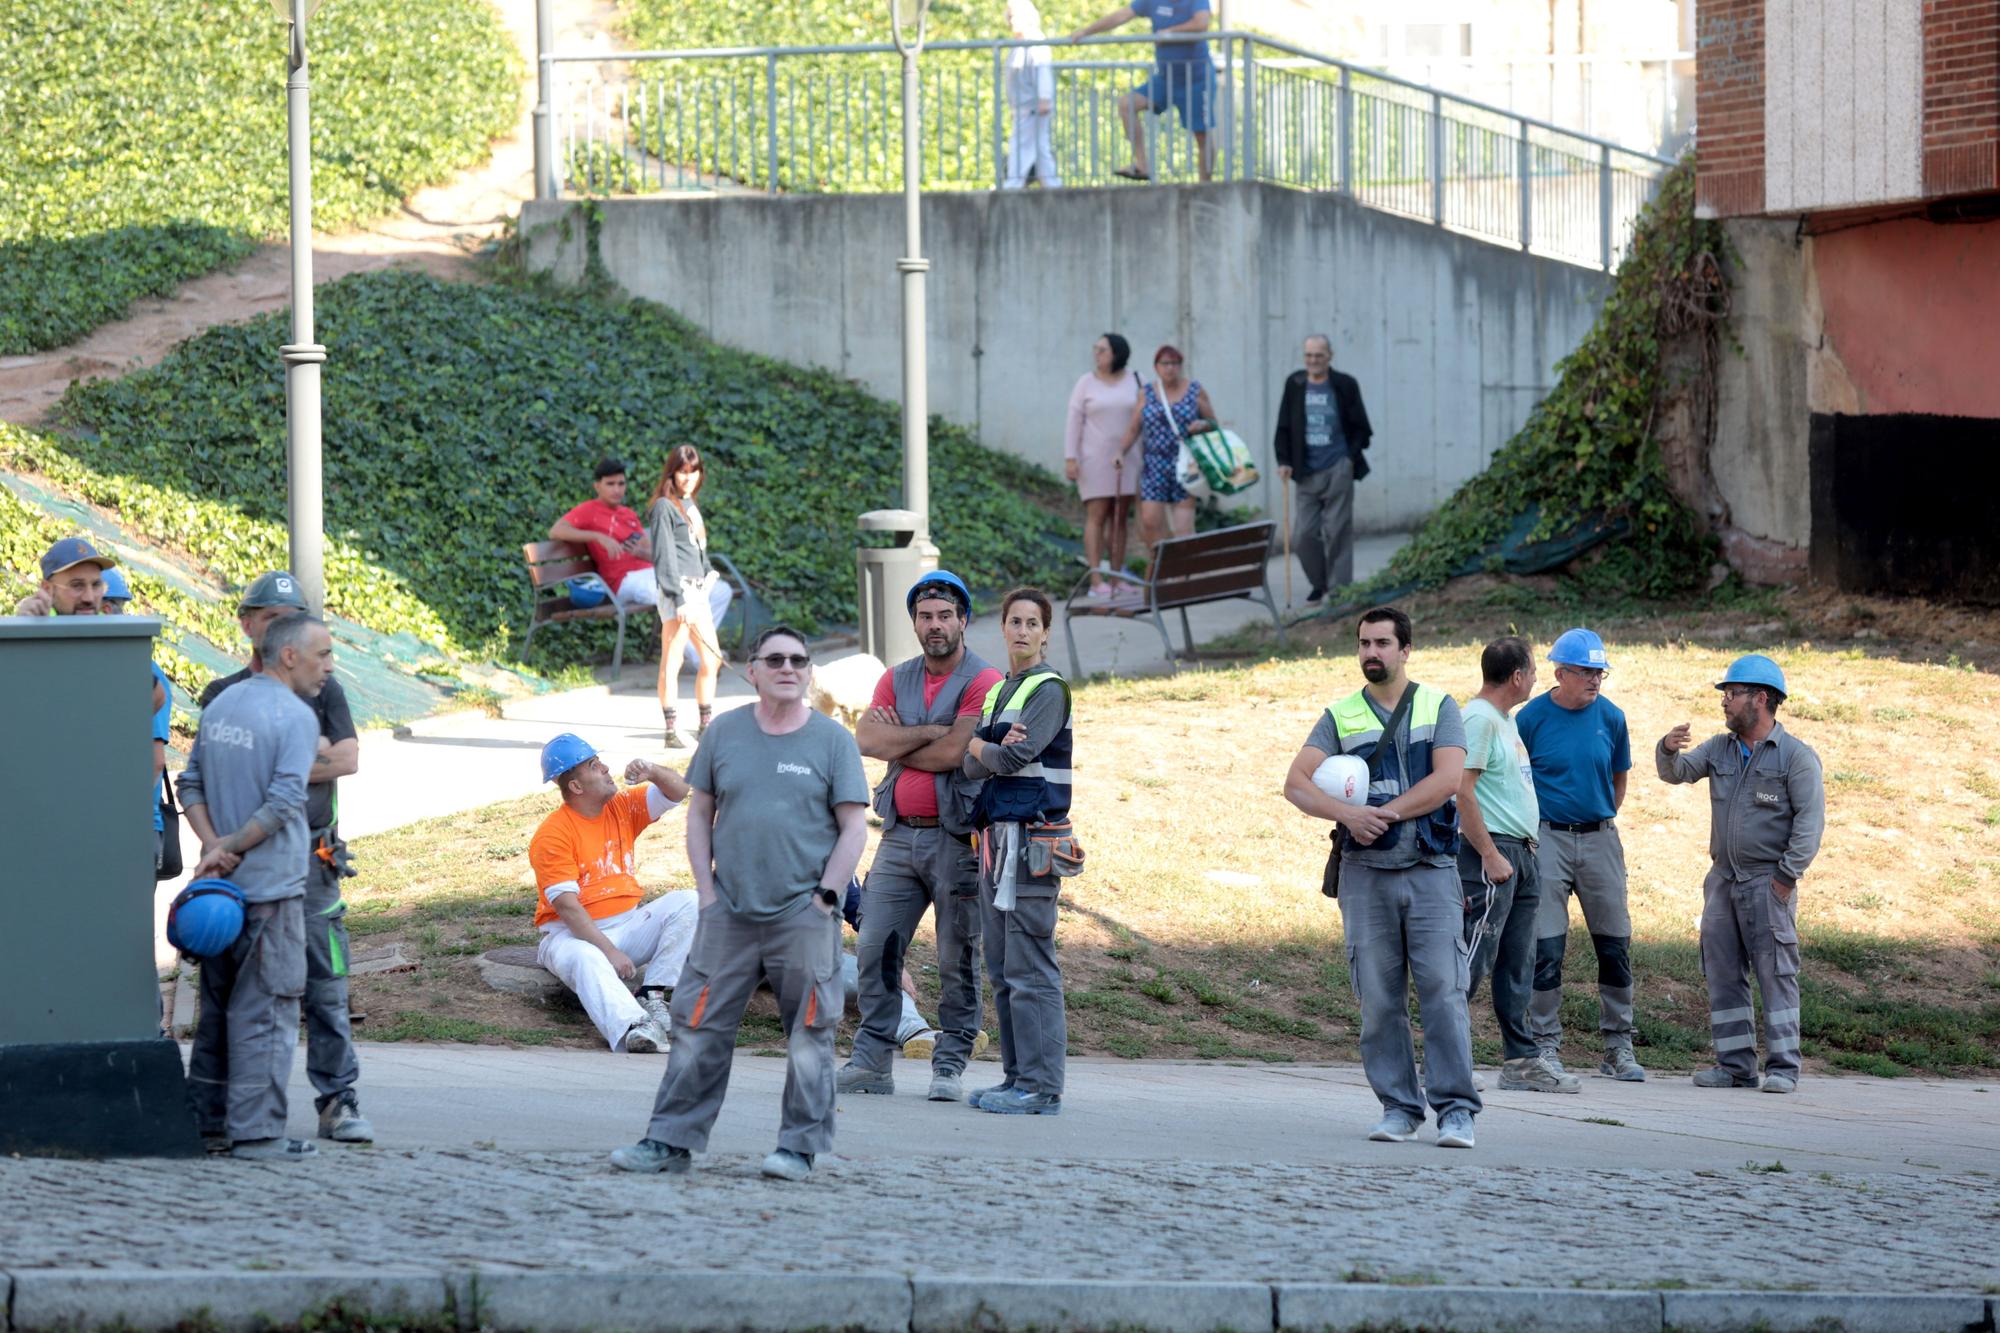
column 1099, row 416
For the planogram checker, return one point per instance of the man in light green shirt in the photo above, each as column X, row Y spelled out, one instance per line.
column 1497, row 820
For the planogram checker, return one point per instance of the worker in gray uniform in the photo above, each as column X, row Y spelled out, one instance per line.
column 244, row 794
column 332, row 1066
column 1767, row 810
column 922, row 716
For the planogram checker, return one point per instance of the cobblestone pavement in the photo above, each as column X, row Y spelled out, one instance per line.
column 440, row 1210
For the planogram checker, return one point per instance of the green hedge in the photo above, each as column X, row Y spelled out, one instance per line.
column 142, row 142
column 461, row 420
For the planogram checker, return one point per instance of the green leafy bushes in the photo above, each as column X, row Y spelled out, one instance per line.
column 142, row 142
column 461, row 420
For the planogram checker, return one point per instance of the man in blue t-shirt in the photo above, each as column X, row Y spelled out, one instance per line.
column 1581, row 755
column 1183, row 77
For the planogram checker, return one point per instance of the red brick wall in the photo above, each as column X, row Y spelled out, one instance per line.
column 1961, row 96
column 1729, row 106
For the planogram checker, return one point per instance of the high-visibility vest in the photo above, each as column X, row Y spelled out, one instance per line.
column 1037, row 791
column 1357, row 730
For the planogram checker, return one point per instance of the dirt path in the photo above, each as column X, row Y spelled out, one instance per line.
column 437, row 230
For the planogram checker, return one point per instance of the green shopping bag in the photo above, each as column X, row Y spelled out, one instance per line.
column 1224, row 461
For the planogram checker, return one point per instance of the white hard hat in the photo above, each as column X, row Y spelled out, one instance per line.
column 1343, row 777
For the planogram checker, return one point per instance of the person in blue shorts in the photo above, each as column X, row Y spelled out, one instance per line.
column 1183, row 76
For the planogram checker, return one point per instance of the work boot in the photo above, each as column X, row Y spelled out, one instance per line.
column 643, row 1038
column 1619, row 1064
column 1780, row 1083
column 945, row 1087
column 272, row 1150
column 215, row 1144
column 784, row 1164
column 972, row 1098
column 853, row 1078
column 1721, row 1078
column 654, row 1002
column 920, row 1043
column 1019, row 1101
column 1552, row 1057
column 1394, row 1127
column 648, row 1155
column 1455, row 1129
column 341, row 1120
column 1534, row 1074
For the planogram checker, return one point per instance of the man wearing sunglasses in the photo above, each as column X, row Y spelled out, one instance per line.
column 924, row 713
column 777, row 819
column 1581, row 754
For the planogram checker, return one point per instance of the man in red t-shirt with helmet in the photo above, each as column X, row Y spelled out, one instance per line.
column 614, row 536
column 924, row 712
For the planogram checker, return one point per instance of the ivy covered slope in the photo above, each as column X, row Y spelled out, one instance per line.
column 142, row 142
column 1587, row 457
column 461, row 420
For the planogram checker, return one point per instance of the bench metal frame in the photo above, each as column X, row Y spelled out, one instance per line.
column 1218, row 566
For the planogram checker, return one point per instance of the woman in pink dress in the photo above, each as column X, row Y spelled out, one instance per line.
column 1098, row 459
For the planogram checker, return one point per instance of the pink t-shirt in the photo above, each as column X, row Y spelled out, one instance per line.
column 916, row 790
column 616, row 522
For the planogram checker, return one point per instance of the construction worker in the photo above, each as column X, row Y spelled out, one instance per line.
column 1767, row 809
column 332, row 1066
column 1399, row 897
column 244, row 792
column 1581, row 754
column 924, row 713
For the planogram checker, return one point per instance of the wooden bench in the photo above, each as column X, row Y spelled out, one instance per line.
column 550, row 567
column 1187, row 571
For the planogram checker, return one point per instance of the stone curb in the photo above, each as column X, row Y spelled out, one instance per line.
column 242, row 1302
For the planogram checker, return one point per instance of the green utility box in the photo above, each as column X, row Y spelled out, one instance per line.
column 83, row 1069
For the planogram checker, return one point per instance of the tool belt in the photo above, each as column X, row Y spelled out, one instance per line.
column 1053, row 849
column 330, row 847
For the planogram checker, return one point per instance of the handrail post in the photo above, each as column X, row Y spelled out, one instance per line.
column 1437, row 158
column 545, row 73
column 1524, row 174
column 1229, row 108
column 1346, row 132
column 771, row 121
column 1604, row 205
column 999, row 113
column 1250, row 110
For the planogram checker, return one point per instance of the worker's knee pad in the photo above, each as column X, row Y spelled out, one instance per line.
column 1614, row 960
column 1549, row 962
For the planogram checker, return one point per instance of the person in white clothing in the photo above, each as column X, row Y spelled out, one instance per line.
column 1031, row 92
column 596, row 931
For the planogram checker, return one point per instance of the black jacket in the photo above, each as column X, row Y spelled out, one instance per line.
column 1289, row 443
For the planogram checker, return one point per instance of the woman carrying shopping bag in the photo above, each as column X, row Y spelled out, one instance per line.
column 1169, row 411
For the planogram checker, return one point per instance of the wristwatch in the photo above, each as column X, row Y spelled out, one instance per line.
column 829, row 896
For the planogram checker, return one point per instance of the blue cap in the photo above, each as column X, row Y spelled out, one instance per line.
column 71, row 552
column 941, row 583
column 563, row 753
column 115, row 587
column 1754, row 669
column 1579, row 648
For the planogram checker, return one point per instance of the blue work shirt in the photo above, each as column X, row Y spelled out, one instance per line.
column 1575, row 753
column 1171, row 14
column 162, row 731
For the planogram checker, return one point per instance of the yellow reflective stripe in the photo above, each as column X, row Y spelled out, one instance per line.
column 1012, row 710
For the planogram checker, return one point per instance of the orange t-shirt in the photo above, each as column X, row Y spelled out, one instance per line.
column 593, row 855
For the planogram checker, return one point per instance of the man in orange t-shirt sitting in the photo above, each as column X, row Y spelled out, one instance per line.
column 595, row 931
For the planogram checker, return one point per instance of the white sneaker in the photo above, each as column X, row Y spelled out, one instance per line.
column 655, row 1005
column 644, row 1038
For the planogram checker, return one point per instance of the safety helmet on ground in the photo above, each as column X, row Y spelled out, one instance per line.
column 116, row 589
column 206, row 918
column 941, row 583
column 563, row 753
column 1579, row 647
column 1754, row 669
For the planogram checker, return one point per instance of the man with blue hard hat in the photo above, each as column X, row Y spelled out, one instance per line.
column 1767, row 810
column 924, row 712
column 1581, row 756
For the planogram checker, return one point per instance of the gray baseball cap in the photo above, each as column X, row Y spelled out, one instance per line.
column 277, row 588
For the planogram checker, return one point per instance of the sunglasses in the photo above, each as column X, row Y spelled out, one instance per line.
column 797, row 661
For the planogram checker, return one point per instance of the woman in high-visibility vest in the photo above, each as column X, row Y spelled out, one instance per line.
column 1022, row 748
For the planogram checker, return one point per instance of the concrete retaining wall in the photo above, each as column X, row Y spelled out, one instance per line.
column 1452, row 339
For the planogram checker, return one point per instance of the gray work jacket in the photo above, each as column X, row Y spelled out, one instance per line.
column 1764, row 818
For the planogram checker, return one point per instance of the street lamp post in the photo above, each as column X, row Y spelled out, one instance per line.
column 302, row 356
column 911, row 14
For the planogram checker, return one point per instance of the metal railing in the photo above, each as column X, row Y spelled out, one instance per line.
column 828, row 119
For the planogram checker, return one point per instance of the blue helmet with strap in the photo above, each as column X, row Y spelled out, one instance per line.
column 1579, row 648
column 206, row 918
column 563, row 753
column 1754, row 669
column 116, row 589
column 941, row 583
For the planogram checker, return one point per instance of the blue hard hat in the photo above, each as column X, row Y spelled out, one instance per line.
column 941, row 583
column 1754, row 669
column 1579, row 648
column 206, row 918
column 588, row 590
column 116, row 589
column 563, row 753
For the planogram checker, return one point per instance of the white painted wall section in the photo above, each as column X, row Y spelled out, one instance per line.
column 1843, row 103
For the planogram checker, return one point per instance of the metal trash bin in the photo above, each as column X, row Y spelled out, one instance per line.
column 886, row 575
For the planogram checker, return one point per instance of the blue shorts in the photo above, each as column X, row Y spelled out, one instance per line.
column 1188, row 86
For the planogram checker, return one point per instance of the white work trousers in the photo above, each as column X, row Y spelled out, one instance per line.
column 655, row 936
column 1031, row 146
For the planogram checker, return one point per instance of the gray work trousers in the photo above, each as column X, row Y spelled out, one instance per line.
column 1402, row 925
column 1325, row 537
column 1591, row 866
column 249, row 1025
column 1745, row 930
column 331, row 1064
column 1020, row 947
column 730, row 958
column 1503, row 917
column 916, row 869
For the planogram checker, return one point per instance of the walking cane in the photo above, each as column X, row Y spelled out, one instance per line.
column 1287, row 502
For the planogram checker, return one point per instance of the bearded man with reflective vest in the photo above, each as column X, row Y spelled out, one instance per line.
column 924, row 712
column 1400, row 907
